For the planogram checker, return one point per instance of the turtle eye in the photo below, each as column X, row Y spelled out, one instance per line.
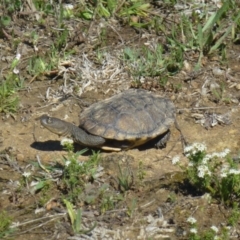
column 49, row 120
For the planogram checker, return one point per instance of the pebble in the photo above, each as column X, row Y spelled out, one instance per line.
column 20, row 157
column 238, row 86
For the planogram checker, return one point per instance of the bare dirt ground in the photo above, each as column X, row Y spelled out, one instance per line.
column 24, row 141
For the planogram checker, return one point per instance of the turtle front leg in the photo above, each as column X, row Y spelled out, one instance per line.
column 162, row 140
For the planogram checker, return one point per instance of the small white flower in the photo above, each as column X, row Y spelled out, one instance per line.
column 15, row 224
column 65, row 141
column 191, row 220
column 67, row 163
column 26, row 174
column 81, row 163
column 68, row 6
column 203, row 170
column 207, row 197
column 224, row 153
column 223, row 175
column 198, row 11
column 188, row 148
column 215, row 229
column 18, row 56
column 175, row 160
column 216, row 238
column 193, row 230
column 200, row 146
column 206, row 159
column 234, row 171
column 224, row 171
column 16, row 71
column 194, row 148
column 190, row 164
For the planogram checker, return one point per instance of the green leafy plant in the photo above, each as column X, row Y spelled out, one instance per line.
column 215, row 173
column 5, row 222
column 205, row 36
column 125, row 178
column 76, row 218
column 145, row 62
column 8, row 96
column 76, row 174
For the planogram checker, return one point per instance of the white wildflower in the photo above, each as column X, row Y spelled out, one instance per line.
column 200, row 147
column 188, row 149
column 16, row 71
column 81, row 163
column 18, row 56
column 190, row 164
column 224, row 153
column 224, row 171
column 67, row 163
column 191, row 220
column 216, row 238
column 194, row 151
column 175, row 160
column 207, row 197
column 65, row 141
column 203, row 170
column 26, row 174
column 206, row 159
column 223, row 174
column 15, row 224
column 194, row 148
column 234, row 171
column 198, row 11
column 193, row 230
column 68, row 6
column 214, row 228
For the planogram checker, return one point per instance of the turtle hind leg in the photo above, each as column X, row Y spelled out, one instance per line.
column 161, row 141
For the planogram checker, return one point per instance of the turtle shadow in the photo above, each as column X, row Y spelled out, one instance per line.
column 49, row 145
column 52, row 145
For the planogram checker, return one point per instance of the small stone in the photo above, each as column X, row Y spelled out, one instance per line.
column 218, row 72
column 238, row 86
column 20, row 157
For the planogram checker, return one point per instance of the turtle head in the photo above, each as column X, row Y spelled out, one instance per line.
column 56, row 125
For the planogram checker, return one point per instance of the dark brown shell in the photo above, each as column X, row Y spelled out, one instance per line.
column 133, row 115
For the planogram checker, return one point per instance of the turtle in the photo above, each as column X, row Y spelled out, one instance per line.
column 124, row 121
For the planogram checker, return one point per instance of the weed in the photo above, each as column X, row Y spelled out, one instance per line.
column 215, row 173
column 37, row 65
column 76, row 174
column 207, row 38
column 125, row 178
column 221, row 233
column 141, row 173
column 44, row 6
column 11, row 6
column 138, row 9
column 132, row 208
column 218, row 175
column 76, row 219
column 8, row 100
column 145, row 62
column 5, row 222
column 108, row 202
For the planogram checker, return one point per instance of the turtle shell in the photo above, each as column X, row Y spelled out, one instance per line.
column 134, row 115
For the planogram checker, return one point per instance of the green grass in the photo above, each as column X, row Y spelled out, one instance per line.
column 5, row 221
column 8, row 94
